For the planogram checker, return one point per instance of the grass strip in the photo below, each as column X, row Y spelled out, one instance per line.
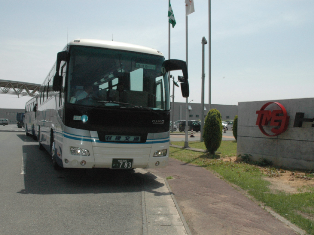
column 297, row 208
column 227, row 148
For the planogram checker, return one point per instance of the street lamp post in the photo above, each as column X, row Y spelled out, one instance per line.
column 203, row 84
column 189, row 108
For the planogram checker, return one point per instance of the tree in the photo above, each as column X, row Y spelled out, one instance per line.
column 212, row 131
column 235, row 127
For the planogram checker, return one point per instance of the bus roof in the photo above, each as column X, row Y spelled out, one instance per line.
column 114, row 45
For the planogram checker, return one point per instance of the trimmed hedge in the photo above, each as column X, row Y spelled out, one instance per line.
column 212, row 131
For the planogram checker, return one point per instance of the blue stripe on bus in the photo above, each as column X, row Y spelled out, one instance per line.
column 81, row 138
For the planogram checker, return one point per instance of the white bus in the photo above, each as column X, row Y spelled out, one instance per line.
column 123, row 123
column 30, row 118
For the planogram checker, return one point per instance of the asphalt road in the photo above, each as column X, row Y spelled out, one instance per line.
column 36, row 199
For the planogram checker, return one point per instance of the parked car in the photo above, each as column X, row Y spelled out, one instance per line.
column 224, row 124
column 227, row 125
column 192, row 124
column 230, row 125
column 4, row 121
column 178, row 122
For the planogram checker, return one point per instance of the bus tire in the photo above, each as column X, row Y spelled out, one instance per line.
column 41, row 147
column 26, row 131
column 33, row 133
column 53, row 154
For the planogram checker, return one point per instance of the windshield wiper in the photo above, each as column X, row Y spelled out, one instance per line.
column 111, row 101
column 118, row 102
column 144, row 108
column 128, row 105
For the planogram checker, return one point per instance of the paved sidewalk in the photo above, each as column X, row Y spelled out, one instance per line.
column 212, row 206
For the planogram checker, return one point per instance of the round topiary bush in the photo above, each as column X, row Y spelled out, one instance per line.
column 212, row 134
column 235, row 127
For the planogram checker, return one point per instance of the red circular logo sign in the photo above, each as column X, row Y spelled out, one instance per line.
column 279, row 119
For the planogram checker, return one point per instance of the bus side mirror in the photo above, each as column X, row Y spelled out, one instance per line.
column 57, row 80
column 170, row 65
column 185, row 89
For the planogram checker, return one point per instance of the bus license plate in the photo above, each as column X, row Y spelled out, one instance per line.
column 122, row 163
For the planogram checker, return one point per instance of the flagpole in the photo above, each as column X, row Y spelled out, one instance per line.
column 189, row 8
column 209, row 54
column 172, row 108
column 186, row 143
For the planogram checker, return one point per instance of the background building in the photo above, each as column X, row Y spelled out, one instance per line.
column 228, row 112
column 10, row 114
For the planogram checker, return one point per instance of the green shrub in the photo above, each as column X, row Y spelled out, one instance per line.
column 264, row 162
column 212, row 131
column 246, row 158
column 235, row 127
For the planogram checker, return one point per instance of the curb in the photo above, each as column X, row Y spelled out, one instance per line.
column 171, row 222
column 178, row 209
column 285, row 221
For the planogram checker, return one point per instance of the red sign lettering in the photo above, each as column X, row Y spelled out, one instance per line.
column 276, row 118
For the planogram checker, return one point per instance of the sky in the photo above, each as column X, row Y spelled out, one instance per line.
column 260, row 50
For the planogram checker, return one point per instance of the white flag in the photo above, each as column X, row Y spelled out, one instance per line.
column 189, row 6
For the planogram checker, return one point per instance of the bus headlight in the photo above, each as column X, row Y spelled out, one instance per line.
column 160, row 153
column 79, row 151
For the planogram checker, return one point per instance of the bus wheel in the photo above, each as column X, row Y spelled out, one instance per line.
column 33, row 133
column 26, row 131
column 41, row 147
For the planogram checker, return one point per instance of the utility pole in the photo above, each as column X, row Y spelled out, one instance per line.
column 186, row 142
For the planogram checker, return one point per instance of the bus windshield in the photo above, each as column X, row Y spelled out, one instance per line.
column 114, row 78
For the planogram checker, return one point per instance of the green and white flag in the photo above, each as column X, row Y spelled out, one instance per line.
column 172, row 20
